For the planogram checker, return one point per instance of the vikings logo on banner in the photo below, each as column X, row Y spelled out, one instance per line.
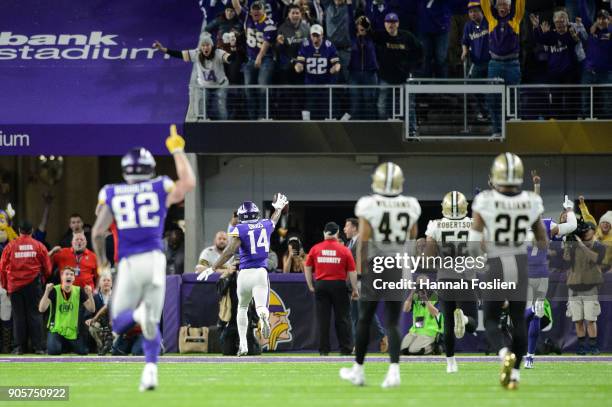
column 280, row 326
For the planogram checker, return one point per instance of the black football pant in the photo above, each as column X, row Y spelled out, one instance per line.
column 495, row 336
column 470, row 310
column 27, row 321
column 333, row 294
column 367, row 309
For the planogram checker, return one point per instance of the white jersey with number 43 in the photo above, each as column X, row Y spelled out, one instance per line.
column 507, row 220
column 391, row 217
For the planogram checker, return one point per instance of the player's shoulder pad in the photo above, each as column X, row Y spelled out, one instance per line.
column 103, row 195
column 415, row 204
column 480, row 200
column 168, row 183
column 432, row 226
column 364, row 205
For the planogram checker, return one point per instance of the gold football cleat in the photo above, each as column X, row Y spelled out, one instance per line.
column 507, row 365
column 513, row 385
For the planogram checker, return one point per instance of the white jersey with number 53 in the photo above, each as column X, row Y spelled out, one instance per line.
column 391, row 217
column 507, row 219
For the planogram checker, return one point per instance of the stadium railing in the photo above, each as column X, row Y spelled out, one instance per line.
column 429, row 109
column 559, row 102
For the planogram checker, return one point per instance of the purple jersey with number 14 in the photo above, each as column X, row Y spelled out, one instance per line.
column 139, row 211
column 255, row 243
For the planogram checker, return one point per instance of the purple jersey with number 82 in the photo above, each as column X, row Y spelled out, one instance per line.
column 139, row 211
column 255, row 243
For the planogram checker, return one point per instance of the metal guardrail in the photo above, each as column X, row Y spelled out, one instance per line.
column 430, row 109
column 559, row 102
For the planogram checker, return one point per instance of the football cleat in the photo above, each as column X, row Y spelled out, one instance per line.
column 451, row 365
column 148, row 380
column 513, row 385
column 353, row 374
column 393, row 377
column 459, row 323
column 507, row 365
column 265, row 326
column 243, row 352
column 528, row 362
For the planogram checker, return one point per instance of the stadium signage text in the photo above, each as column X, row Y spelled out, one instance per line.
column 14, row 140
column 95, row 45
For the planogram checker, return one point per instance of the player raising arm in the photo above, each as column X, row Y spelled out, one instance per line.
column 252, row 237
column 139, row 208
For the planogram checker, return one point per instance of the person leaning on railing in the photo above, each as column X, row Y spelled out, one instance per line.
column 209, row 61
column 504, row 46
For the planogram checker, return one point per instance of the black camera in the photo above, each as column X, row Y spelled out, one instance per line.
column 580, row 230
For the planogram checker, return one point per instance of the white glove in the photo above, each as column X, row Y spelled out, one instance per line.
column 205, row 274
column 568, row 204
column 10, row 211
column 281, row 201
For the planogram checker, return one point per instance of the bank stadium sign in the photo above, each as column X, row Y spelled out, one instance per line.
column 92, row 46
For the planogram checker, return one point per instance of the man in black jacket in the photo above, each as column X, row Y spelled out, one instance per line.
column 399, row 53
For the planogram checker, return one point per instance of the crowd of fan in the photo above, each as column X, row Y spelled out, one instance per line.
column 384, row 42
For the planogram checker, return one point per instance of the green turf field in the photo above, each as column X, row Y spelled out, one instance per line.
column 313, row 384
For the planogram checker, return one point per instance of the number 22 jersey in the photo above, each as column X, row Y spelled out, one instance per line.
column 139, row 211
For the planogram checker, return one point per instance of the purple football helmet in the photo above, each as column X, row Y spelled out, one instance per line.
column 138, row 165
column 248, row 212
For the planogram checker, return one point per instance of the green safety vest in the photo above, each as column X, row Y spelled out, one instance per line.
column 431, row 326
column 66, row 315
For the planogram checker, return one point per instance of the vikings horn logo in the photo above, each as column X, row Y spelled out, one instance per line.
column 280, row 326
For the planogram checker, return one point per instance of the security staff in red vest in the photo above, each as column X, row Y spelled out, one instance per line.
column 332, row 261
column 24, row 263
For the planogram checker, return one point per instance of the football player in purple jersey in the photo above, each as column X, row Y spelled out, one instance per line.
column 139, row 208
column 252, row 236
column 538, row 270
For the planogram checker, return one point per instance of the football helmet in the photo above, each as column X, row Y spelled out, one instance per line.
column 507, row 170
column 248, row 212
column 138, row 165
column 388, row 179
column 454, row 205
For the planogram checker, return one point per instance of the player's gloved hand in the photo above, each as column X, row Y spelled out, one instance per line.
column 568, row 204
column 281, row 201
column 175, row 143
column 205, row 274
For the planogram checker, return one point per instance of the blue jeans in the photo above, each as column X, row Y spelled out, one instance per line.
column 510, row 72
column 256, row 99
column 363, row 98
column 216, row 98
column 435, row 47
column 476, row 72
column 57, row 344
column 602, row 102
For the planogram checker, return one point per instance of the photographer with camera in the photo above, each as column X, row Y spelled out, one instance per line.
column 427, row 322
column 294, row 258
column 584, row 256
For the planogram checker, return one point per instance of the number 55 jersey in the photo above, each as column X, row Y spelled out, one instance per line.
column 139, row 211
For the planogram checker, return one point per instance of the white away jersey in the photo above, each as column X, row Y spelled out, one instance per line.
column 212, row 72
column 391, row 218
column 507, row 219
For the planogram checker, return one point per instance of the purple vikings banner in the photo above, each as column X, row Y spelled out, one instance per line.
column 81, row 78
